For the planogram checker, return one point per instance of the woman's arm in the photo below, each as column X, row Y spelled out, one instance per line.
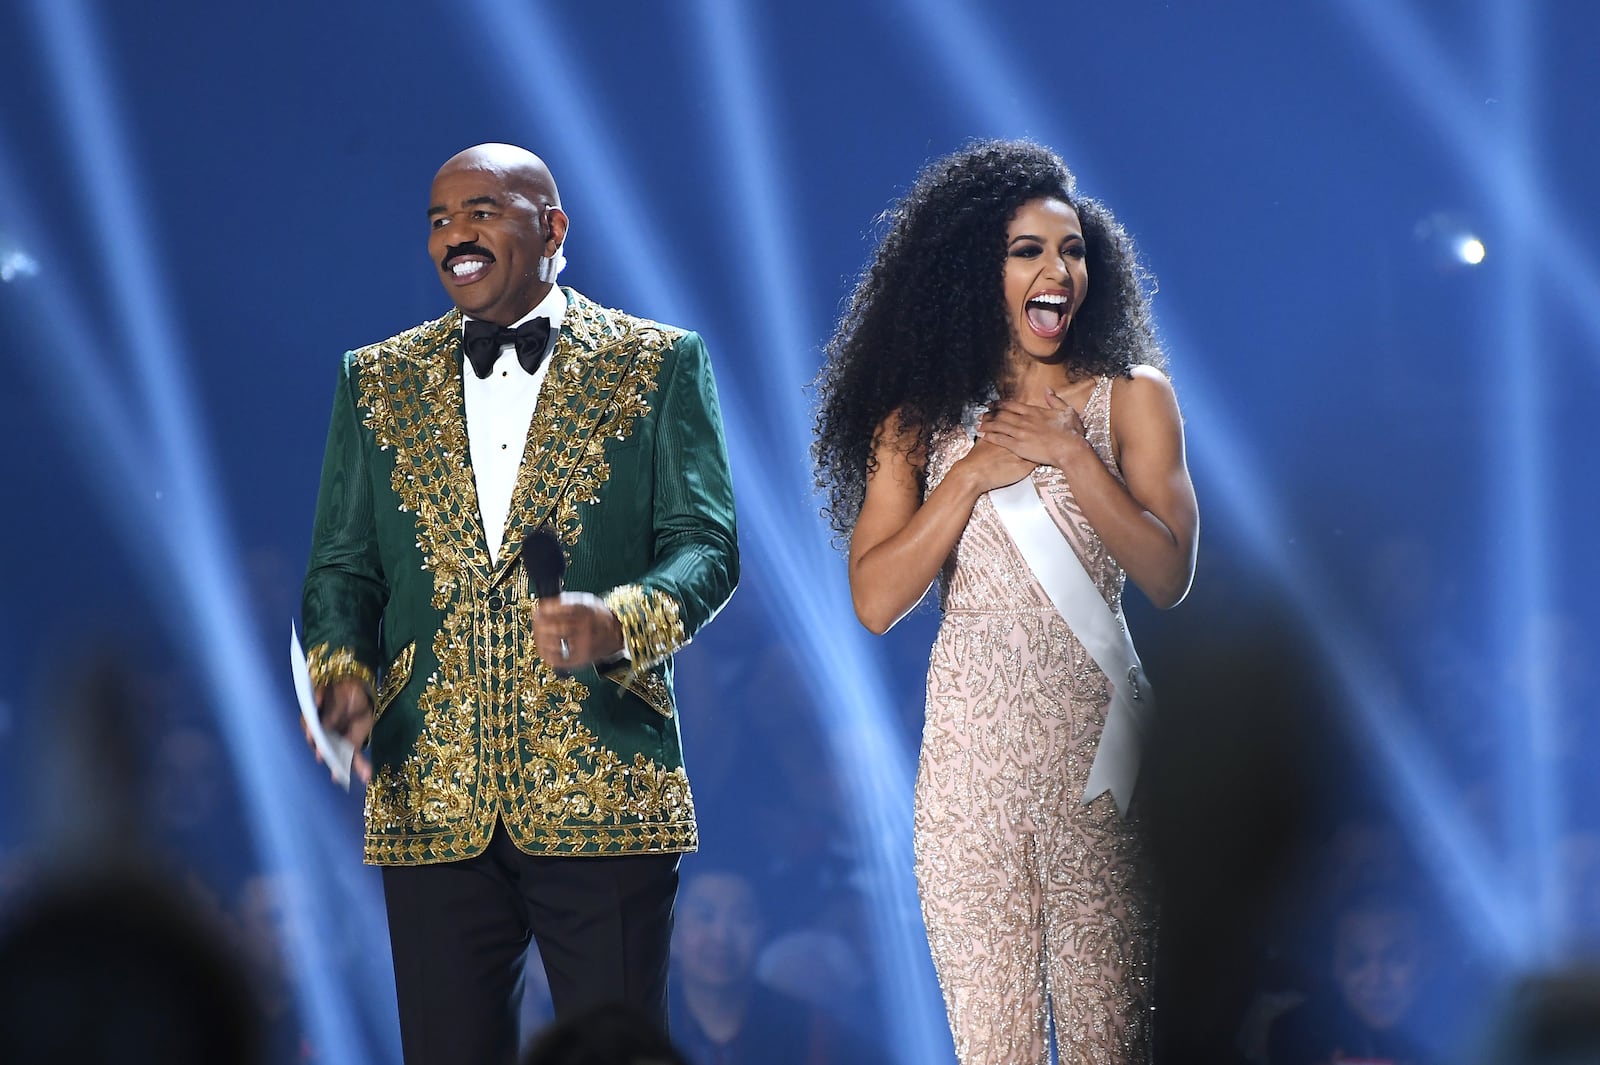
column 1150, row 522
column 901, row 540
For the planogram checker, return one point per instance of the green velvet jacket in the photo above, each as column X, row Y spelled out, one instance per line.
column 625, row 459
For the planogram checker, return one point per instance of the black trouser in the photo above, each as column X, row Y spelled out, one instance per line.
column 460, row 931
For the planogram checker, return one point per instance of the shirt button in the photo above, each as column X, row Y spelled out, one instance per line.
column 503, row 447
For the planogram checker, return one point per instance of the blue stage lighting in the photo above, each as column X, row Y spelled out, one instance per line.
column 1517, row 459
column 1506, row 178
column 749, row 152
column 776, row 508
column 961, row 35
column 114, row 454
column 200, row 578
column 875, row 769
column 1424, row 803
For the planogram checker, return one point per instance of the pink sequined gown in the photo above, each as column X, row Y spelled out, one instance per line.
column 1031, row 899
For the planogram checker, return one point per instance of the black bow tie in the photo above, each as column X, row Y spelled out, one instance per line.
column 483, row 341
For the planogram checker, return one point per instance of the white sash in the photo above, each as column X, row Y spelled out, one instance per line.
column 1102, row 631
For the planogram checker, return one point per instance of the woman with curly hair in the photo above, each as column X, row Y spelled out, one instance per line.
column 993, row 412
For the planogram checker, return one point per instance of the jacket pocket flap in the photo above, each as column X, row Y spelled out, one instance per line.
column 395, row 678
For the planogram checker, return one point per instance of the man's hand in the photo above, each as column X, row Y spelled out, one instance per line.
column 575, row 630
column 345, row 708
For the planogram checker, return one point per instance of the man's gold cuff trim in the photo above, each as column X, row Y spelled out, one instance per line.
column 328, row 664
column 651, row 626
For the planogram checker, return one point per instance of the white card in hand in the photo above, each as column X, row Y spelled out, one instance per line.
column 337, row 752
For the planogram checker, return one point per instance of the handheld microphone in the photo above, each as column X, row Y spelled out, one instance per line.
column 545, row 562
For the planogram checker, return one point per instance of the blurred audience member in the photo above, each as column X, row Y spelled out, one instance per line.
column 1363, row 851
column 1244, row 762
column 721, row 1014
column 118, row 969
column 109, row 954
column 263, row 918
column 1549, row 1019
column 1378, row 970
column 604, row 1035
column 822, row 961
column 188, row 782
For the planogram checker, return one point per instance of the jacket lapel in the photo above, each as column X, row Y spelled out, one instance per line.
column 591, row 359
column 445, row 399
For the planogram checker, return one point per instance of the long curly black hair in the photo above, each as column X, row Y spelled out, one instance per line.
column 926, row 332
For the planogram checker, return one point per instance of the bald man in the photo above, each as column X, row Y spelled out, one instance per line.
column 525, row 779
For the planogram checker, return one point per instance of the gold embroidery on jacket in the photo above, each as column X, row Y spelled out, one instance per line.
column 651, row 626
column 652, row 629
column 648, row 685
column 424, row 807
column 395, row 678
column 502, row 734
column 602, row 368
column 327, row 664
column 637, row 805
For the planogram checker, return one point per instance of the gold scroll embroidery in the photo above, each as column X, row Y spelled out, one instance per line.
column 501, row 733
column 651, row 626
column 395, row 678
column 327, row 664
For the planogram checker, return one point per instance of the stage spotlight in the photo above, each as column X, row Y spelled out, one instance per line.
column 1448, row 241
column 1506, row 175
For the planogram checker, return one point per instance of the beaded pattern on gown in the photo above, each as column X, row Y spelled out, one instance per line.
column 1029, row 896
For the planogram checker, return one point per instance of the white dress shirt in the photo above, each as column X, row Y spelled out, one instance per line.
column 499, row 411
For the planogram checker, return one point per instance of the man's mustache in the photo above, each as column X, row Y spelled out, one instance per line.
column 455, row 251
